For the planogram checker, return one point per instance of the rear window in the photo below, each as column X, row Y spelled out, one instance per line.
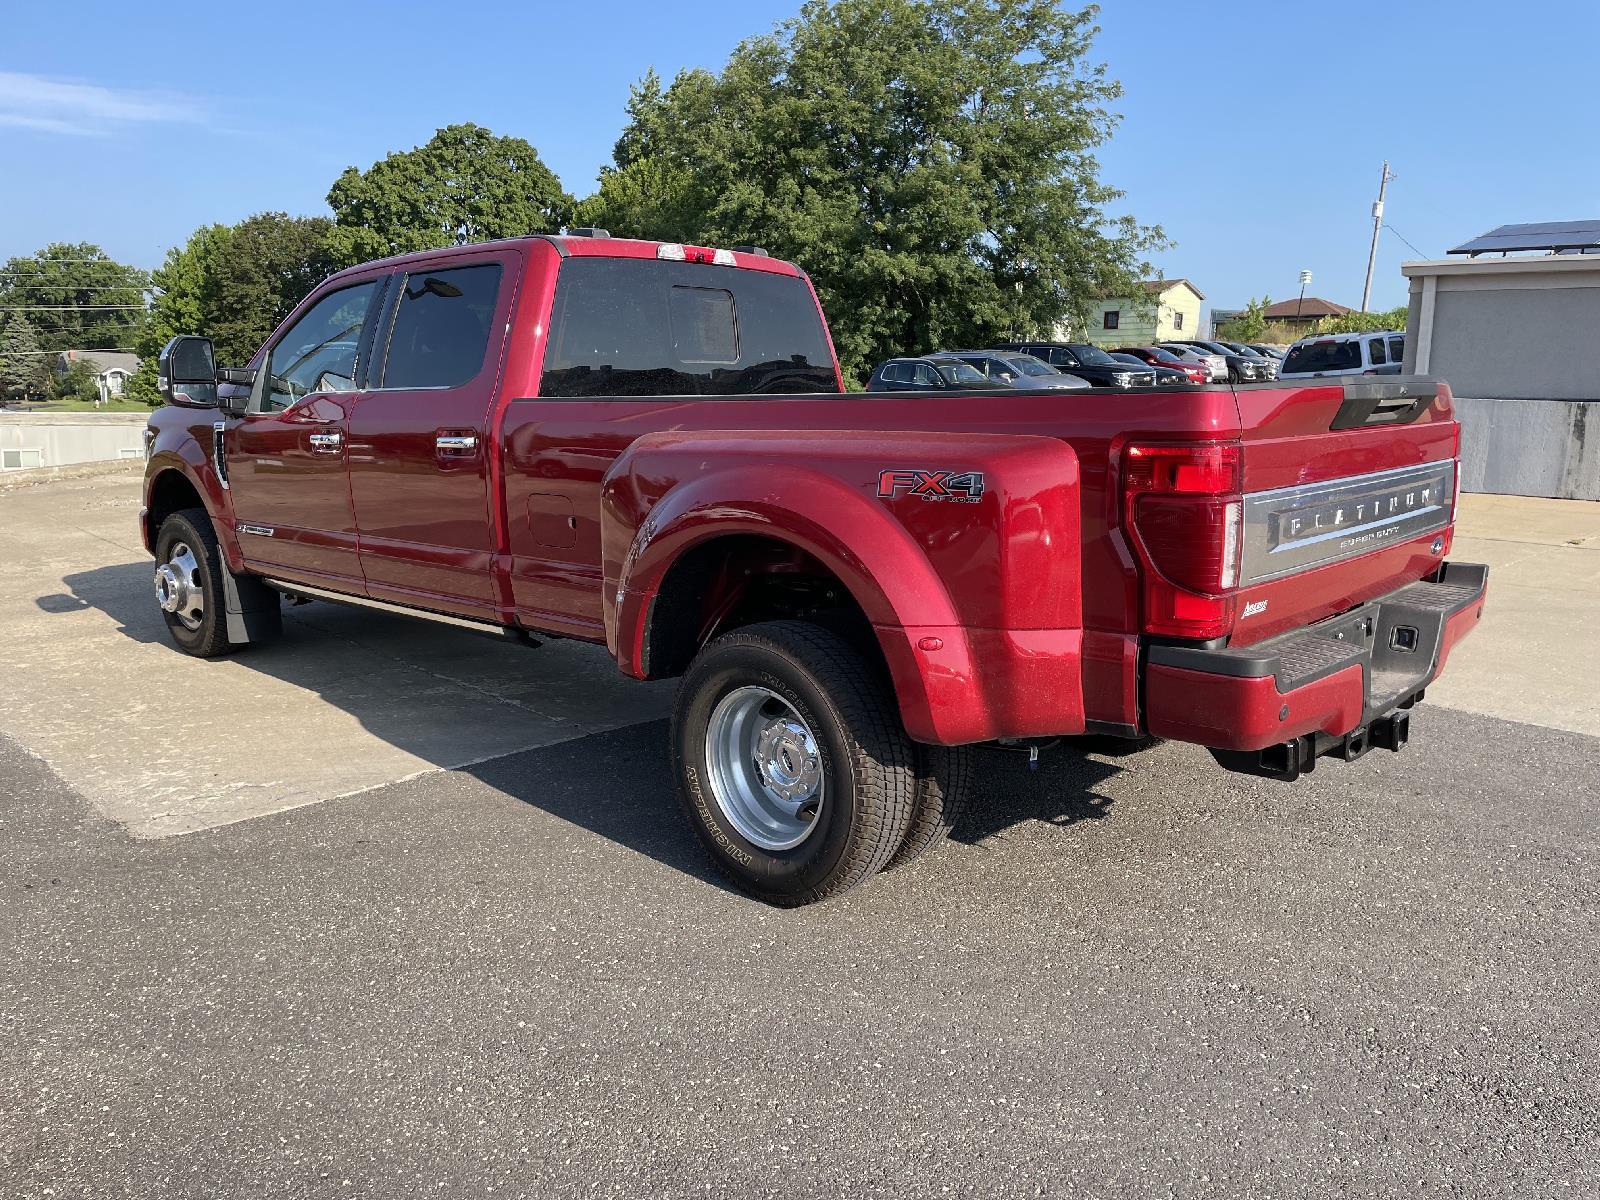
column 646, row 327
column 1323, row 356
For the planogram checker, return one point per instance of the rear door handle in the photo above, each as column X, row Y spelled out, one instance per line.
column 327, row 443
column 456, row 443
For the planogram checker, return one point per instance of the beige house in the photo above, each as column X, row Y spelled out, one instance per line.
column 1169, row 308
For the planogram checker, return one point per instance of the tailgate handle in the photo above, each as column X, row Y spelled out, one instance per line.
column 1387, row 403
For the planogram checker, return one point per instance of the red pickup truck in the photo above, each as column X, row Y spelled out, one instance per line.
column 649, row 446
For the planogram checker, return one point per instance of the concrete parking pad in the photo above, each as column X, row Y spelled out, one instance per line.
column 1536, row 655
column 348, row 700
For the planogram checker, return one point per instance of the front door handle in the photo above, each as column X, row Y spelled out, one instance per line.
column 457, row 443
column 327, row 443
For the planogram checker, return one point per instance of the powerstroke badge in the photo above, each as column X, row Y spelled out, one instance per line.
column 964, row 487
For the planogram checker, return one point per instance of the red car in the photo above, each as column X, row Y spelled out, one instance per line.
column 646, row 446
column 1158, row 357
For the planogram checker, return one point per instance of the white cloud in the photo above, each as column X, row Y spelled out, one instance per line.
column 75, row 108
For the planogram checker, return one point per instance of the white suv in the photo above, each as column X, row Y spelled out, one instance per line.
column 1345, row 354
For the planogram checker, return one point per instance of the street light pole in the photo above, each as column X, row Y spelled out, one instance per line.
column 1305, row 278
column 1377, row 224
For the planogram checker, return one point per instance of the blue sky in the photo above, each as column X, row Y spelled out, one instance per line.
column 1253, row 132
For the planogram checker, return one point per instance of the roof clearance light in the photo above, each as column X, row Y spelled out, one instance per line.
column 724, row 258
column 672, row 250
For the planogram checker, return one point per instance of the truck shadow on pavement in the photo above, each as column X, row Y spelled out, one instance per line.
column 557, row 728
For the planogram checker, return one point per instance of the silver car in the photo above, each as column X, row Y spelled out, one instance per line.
column 1021, row 370
column 1216, row 364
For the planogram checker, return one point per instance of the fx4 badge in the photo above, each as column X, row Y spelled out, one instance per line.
column 964, row 487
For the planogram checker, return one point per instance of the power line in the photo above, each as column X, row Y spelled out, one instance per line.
column 68, row 307
column 1402, row 237
column 96, row 350
column 68, row 287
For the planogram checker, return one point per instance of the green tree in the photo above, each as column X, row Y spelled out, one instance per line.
column 78, row 382
column 232, row 283
column 1365, row 322
column 76, row 297
column 929, row 162
column 465, row 185
column 24, row 369
column 1250, row 325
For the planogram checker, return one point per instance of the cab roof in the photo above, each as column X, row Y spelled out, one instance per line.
column 595, row 244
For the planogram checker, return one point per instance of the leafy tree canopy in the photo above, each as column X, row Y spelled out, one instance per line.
column 465, row 185
column 1250, row 325
column 233, row 283
column 75, row 296
column 24, row 371
column 1365, row 322
column 930, row 162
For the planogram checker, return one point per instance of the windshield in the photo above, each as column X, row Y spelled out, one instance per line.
column 1323, row 356
column 959, row 372
column 1093, row 356
column 1029, row 365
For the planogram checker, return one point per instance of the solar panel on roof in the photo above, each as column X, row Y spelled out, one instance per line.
column 1539, row 235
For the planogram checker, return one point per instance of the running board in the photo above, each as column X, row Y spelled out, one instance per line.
column 492, row 628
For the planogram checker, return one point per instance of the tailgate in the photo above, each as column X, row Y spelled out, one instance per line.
column 1350, row 490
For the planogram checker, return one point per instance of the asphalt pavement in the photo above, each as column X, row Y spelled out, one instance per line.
column 1129, row 974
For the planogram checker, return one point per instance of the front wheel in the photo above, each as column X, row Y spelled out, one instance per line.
column 793, row 768
column 188, row 584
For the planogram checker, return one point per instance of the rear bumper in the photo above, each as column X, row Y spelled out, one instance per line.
column 1308, row 691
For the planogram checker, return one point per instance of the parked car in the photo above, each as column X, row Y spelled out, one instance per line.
column 931, row 372
column 1343, row 354
column 1020, row 370
column 1165, row 376
column 1241, row 368
column 645, row 446
column 1085, row 361
column 1269, row 350
column 1266, row 367
column 1154, row 356
column 1216, row 365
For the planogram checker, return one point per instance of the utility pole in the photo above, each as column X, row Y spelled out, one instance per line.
column 1377, row 224
column 1305, row 278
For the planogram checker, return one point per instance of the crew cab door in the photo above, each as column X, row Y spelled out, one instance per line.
column 420, row 439
column 286, row 457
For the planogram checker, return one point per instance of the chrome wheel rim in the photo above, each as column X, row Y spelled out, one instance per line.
column 178, row 589
column 765, row 768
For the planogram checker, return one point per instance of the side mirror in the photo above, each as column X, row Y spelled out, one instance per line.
column 187, row 372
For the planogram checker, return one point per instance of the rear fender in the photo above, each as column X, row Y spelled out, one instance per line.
column 975, row 599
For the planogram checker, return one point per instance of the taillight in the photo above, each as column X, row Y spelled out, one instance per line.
column 1183, row 509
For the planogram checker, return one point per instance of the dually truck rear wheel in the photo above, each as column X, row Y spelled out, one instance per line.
column 793, row 767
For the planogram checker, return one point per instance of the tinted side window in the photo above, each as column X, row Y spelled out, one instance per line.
column 897, row 373
column 1397, row 349
column 647, row 327
column 1375, row 348
column 926, row 376
column 318, row 352
column 1324, row 356
column 441, row 328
